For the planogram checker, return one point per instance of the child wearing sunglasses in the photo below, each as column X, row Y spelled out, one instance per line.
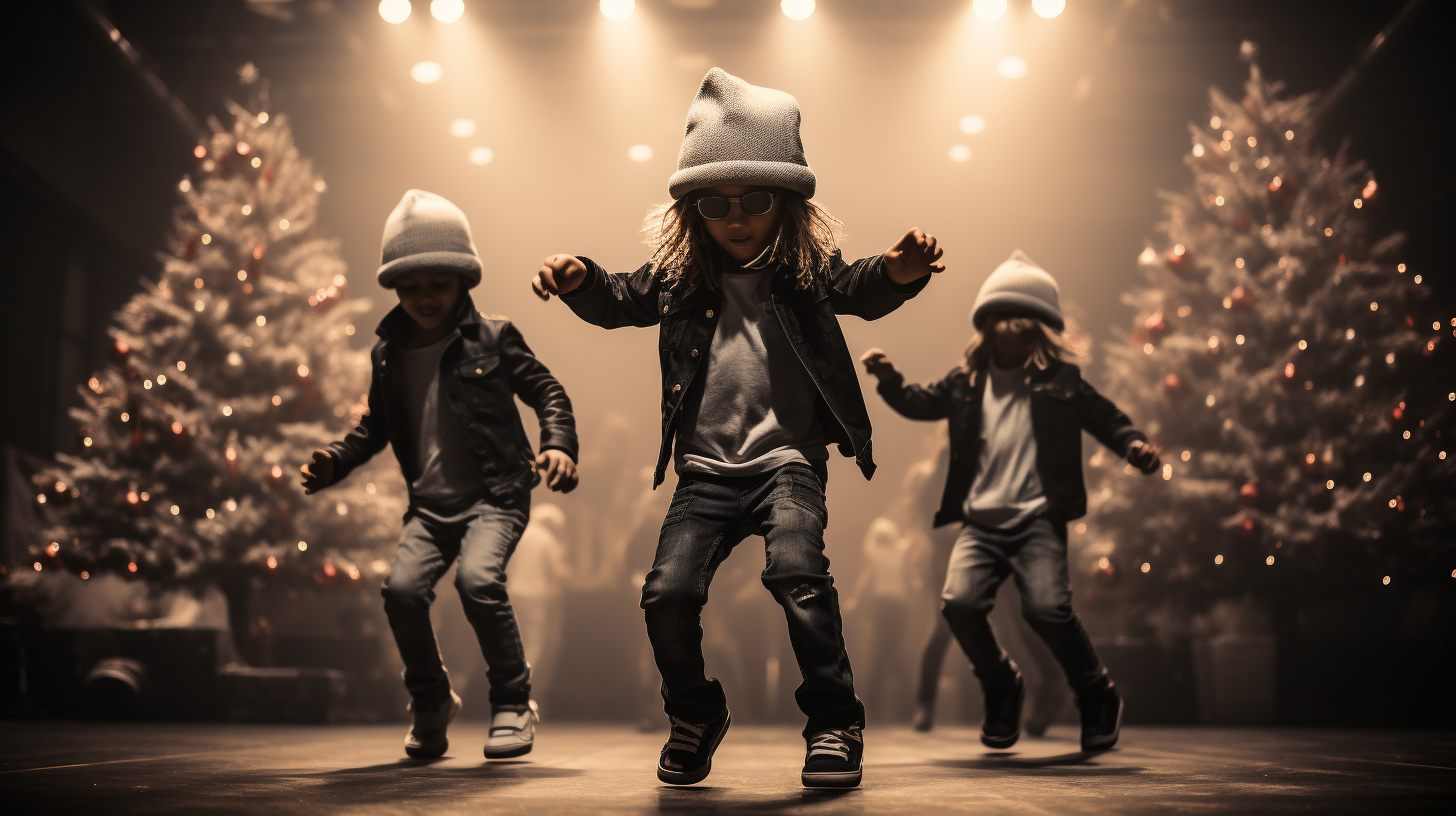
column 745, row 281
column 1017, row 410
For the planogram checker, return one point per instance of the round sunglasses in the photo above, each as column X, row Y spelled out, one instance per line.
column 715, row 208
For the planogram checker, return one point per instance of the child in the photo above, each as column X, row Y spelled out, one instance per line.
column 745, row 281
column 1016, row 411
column 441, row 394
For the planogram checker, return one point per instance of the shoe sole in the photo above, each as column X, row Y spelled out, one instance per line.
column 999, row 742
column 507, row 753
column 841, row 779
column 1104, row 743
column 694, row 777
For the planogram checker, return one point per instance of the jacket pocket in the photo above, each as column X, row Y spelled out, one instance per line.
column 482, row 383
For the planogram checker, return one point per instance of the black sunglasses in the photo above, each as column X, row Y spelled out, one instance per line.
column 715, row 208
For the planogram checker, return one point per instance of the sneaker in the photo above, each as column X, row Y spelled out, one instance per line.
column 426, row 738
column 688, row 755
column 1101, row 719
column 924, row 717
column 1002, row 726
column 512, row 730
column 835, row 758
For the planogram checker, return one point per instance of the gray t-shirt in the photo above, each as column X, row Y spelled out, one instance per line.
column 751, row 408
column 445, row 469
column 1007, row 490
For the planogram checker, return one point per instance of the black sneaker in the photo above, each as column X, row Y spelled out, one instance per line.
column 1002, row 726
column 426, row 738
column 835, row 758
column 688, row 755
column 1101, row 718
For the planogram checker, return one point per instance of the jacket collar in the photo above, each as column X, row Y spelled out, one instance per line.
column 396, row 324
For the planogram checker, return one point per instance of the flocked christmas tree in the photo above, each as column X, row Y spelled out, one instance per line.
column 224, row 373
column 1297, row 374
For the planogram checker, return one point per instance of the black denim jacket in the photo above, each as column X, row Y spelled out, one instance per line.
column 689, row 319
column 486, row 362
column 1062, row 406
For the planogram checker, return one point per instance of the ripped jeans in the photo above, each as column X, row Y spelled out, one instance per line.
column 708, row 517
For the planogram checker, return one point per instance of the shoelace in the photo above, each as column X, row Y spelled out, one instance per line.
column 685, row 736
column 831, row 743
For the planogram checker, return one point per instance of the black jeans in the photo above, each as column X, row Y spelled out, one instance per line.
column 482, row 534
column 708, row 517
column 1035, row 554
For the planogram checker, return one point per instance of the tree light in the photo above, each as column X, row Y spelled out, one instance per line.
column 795, row 9
column 1047, row 9
column 989, row 9
column 426, row 72
column 447, row 11
column 394, row 11
column 1146, row 567
column 616, row 10
column 303, row 545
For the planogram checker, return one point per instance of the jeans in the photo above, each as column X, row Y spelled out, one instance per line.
column 708, row 517
column 482, row 534
column 1035, row 554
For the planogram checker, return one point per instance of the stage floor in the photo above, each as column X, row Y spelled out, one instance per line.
column 73, row 767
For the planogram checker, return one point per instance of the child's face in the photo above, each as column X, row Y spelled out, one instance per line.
column 428, row 296
column 1012, row 338
column 742, row 236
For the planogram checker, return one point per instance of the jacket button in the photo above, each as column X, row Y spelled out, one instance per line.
column 710, row 313
column 695, row 352
column 664, row 308
column 384, row 362
column 479, row 371
column 677, row 388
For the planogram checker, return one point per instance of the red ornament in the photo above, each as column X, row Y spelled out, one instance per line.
column 1173, row 385
column 1281, row 192
column 1178, row 257
column 191, row 249
column 1242, row 297
column 1242, row 222
column 120, row 353
column 1107, row 573
column 1248, row 493
column 267, row 174
column 1249, row 528
column 276, row 478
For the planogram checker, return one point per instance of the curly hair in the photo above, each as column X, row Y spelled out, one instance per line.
column 805, row 242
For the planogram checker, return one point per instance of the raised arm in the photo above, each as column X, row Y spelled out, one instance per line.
column 873, row 287
column 607, row 300
column 926, row 402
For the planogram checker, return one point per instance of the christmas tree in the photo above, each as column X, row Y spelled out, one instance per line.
column 1297, row 374
column 225, row 372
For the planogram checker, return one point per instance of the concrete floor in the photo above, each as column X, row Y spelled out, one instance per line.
column 73, row 767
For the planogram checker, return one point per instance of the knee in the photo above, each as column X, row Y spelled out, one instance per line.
column 959, row 605
column 403, row 594
column 1046, row 609
column 666, row 590
column 480, row 585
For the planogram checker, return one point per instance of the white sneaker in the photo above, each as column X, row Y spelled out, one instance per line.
column 426, row 738
column 512, row 730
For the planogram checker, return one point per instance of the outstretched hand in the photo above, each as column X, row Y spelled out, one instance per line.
column 319, row 473
column 557, row 470
column 1144, row 456
column 878, row 363
column 913, row 257
column 558, row 275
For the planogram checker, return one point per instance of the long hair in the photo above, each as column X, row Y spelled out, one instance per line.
column 806, row 240
column 1047, row 344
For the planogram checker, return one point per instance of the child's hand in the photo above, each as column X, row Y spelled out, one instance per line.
column 558, row 275
column 1144, row 456
column 878, row 363
column 319, row 473
column 557, row 469
column 913, row 257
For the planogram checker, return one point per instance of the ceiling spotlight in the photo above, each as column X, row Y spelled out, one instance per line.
column 480, row 155
column 989, row 9
column 639, row 152
column 616, row 9
column 427, row 73
column 972, row 123
column 960, row 153
column 394, row 11
column 1011, row 67
column 461, row 128
column 797, row 9
column 1047, row 9
column 447, row 11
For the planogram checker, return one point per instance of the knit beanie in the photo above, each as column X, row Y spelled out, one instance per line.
column 741, row 134
column 426, row 231
column 1019, row 287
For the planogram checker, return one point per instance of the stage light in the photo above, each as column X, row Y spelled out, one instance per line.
column 1047, row 9
column 427, row 73
column 989, row 9
column 972, row 124
column 960, row 153
column 447, row 11
column 639, row 152
column 1011, row 67
column 797, row 9
column 461, row 128
column 394, row 11
column 480, row 155
column 616, row 10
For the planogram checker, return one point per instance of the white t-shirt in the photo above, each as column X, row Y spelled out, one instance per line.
column 1007, row 490
column 445, row 469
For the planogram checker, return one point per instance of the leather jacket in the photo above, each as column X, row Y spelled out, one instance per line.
column 1062, row 406
column 689, row 318
column 485, row 363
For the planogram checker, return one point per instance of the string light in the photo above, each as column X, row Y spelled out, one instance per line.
column 131, row 566
column 1146, row 567
column 263, row 117
column 1385, row 581
column 1186, row 455
column 1217, row 559
column 1269, row 561
column 206, row 239
column 302, row 546
column 1330, row 484
column 175, row 510
column 272, row 562
column 256, row 162
column 1366, row 476
column 211, row 513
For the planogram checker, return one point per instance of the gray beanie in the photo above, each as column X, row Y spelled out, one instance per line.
column 741, row 134
column 426, row 231
column 1018, row 286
